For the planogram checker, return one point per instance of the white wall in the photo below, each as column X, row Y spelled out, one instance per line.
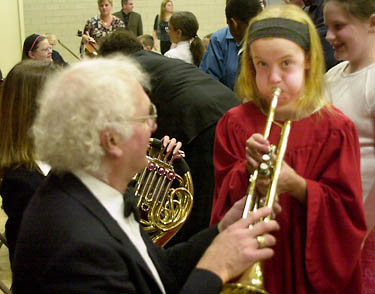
column 12, row 35
column 20, row 18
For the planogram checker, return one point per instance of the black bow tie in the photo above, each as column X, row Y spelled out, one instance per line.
column 130, row 203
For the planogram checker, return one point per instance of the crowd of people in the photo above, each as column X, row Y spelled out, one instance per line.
column 74, row 135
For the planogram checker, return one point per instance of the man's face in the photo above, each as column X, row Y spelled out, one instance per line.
column 137, row 145
column 237, row 29
column 128, row 7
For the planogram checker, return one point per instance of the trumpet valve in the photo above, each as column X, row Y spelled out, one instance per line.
column 265, row 166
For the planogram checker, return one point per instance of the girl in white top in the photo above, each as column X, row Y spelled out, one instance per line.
column 182, row 29
column 351, row 32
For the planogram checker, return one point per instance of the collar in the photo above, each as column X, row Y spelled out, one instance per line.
column 229, row 36
column 109, row 197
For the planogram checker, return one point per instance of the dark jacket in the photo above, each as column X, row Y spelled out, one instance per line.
column 135, row 22
column 69, row 243
column 16, row 189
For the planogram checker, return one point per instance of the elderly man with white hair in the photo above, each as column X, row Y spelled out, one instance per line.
column 93, row 128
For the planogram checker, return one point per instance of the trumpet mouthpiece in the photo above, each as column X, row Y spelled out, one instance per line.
column 276, row 91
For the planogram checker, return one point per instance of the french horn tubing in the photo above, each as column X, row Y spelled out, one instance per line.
column 251, row 281
column 164, row 192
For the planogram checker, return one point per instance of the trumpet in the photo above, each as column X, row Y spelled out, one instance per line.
column 251, row 281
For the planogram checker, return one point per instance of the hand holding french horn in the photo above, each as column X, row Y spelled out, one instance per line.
column 172, row 148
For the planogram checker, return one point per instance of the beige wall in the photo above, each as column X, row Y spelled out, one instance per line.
column 65, row 17
column 11, row 22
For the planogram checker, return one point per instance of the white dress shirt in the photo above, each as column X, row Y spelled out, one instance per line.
column 181, row 51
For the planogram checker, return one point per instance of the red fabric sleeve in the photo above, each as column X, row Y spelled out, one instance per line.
column 335, row 218
column 230, row 168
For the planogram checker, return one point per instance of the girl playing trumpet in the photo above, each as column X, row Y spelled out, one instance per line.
column 322, row 221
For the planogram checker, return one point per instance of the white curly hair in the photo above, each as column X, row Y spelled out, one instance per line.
column 78, row 103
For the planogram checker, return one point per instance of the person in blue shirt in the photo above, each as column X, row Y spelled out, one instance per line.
column 221, row 57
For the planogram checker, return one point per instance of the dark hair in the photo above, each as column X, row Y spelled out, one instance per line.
column 188, row 24
column 146, row 40
column 31, row 44
column 243, row 10
column 18, row 105
column 124, row 2
column 120, row 41
column 360, row 9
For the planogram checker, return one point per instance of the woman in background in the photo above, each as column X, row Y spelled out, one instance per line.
column 20, row 171
column 100, row 26
column 37, row 47
column 161, row 25
column 182, row 29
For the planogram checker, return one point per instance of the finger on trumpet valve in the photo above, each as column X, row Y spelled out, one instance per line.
column 264, row 169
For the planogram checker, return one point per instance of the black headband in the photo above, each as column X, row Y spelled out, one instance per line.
column 281, row 28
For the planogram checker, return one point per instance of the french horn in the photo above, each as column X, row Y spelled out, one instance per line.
column 164, row 192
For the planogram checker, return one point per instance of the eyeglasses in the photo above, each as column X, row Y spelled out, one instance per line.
column 49, row 48
column 148, row 118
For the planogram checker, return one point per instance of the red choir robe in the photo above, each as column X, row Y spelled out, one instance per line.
column 318, row 245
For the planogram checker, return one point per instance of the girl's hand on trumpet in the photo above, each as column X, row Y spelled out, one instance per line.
column 289, row 181
column 256, row 146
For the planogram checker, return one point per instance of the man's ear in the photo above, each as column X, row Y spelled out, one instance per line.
column 234, row 22
column 110, row 143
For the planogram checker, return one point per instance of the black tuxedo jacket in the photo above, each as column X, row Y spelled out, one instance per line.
column 135, row 22
column 189, row 103
column 69, row 243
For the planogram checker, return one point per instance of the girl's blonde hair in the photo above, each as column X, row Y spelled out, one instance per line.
column 312, row 99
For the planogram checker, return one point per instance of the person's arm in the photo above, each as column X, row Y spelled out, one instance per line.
column 86, row 37
column 369, row 207
column 231, row 174
column 213, row 59
column 155, row 35
column 140, row 26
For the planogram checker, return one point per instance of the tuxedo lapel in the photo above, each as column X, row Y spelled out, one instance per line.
column 159, row 259
column 77, row 190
